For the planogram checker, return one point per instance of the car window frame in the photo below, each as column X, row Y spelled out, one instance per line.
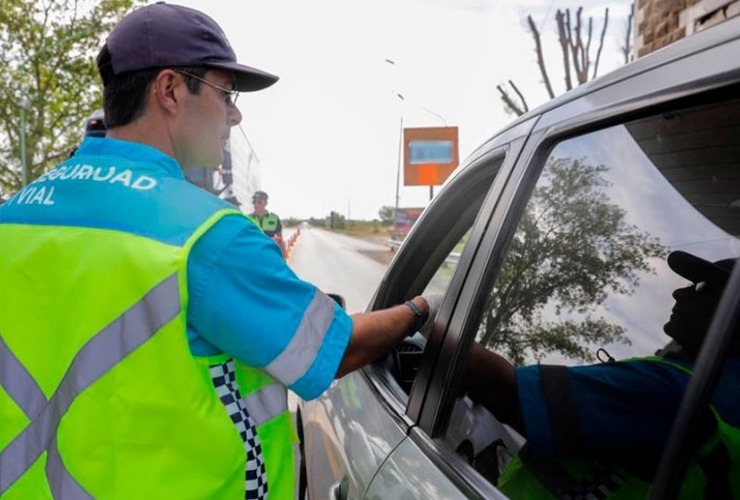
column 394, row 289
column 462, row 323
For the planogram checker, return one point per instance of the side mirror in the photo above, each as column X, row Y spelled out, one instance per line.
column 338, row 299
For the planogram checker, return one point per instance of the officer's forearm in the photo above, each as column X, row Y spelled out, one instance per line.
column 491, row 381
column 376, row 333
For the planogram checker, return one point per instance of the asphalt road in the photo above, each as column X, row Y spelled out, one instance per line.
column 336, row 263
column 351, row 267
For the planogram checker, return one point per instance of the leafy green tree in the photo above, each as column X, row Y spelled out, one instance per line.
column 337, row 220
column 387, row 215
column 571, row 249
column 47, row 52
column 317, row 222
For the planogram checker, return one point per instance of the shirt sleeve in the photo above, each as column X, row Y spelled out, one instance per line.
column 606, row 410
column 246, row 301
column 279, row 228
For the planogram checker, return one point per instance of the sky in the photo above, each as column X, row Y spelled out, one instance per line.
column 327, row 133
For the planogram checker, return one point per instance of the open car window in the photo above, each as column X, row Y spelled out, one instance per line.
column 585, row 281
column 432, row 254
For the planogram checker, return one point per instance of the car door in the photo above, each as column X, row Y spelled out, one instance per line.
column 435, row 258
column 352, row 429
column 572, row 268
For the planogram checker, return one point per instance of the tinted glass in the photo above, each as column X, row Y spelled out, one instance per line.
column 453, row 214
column 443, row 275
column 585, row 277
column 587, row 266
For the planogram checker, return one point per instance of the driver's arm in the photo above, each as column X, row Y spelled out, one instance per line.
column 377, row 332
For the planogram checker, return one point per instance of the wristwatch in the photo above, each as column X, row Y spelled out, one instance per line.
column 420, row 317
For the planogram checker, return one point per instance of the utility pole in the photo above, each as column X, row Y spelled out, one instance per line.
column 400, row 158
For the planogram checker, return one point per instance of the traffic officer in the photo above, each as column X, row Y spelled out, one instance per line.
column 268, row 221
column 148, row 330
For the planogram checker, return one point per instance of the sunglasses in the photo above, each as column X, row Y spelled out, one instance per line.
column 704, row 287
column 230, row 95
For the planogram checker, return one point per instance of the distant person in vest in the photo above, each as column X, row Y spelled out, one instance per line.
column 149, row 331
column 598, row 431
column 268, row 221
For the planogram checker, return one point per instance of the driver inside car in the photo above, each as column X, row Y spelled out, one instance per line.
column 598, row 431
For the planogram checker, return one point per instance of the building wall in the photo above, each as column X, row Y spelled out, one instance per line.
column 661, row 22
column 245, row 168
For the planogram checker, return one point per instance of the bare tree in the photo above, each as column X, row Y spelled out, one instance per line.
column 627, row 48
column 575, row 43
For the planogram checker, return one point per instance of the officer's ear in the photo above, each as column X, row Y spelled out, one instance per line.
column 167, row 91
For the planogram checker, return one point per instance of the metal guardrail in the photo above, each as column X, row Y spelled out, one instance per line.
column 453, row 258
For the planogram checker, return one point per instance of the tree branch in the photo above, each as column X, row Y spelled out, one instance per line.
column 601, row 43
column 627, row 47
column 540, row 58
column 578, row 48
column 585, row 61
column 521, row 97
column 563, row 38
column 569, row 32
column 509, row 102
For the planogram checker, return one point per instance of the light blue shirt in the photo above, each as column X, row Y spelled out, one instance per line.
column 244, row 300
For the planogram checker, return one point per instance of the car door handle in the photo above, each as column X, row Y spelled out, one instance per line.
column 338, row 490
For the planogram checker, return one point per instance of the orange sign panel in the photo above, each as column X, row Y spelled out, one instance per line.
column 430, row 155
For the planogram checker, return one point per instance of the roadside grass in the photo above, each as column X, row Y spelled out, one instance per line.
column 364, row 229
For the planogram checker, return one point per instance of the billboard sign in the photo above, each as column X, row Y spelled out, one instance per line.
column 430, row 155
column 406, row 217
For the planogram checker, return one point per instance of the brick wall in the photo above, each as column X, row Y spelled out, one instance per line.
column 661, row 22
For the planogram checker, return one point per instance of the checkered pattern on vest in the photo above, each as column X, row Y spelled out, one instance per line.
column 224, row 380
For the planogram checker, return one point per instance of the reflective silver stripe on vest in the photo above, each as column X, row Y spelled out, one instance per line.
column 61, row 482
column 101, row 353
column 19, row 384
column 301, row 352
column 267, row 403
column 26, row 393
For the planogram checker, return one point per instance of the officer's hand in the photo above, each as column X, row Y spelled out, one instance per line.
column 434, row 301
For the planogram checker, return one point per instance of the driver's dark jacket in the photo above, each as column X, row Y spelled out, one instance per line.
column 596, row 439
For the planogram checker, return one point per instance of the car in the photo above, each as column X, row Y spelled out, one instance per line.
column 559, row 226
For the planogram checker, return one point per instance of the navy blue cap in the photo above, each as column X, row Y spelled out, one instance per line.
column 165, row 35
column 696, row 269
column 259, row 195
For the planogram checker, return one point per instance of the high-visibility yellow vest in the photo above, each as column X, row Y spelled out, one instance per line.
column 100, row 396
column 268, row 223
column 710, row 474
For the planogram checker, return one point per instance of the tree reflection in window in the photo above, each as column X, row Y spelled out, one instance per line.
column 571, row 249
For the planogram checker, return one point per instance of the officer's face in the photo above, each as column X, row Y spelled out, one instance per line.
column 692, row 314
column 206, row 122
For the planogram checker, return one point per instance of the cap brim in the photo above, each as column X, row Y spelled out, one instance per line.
column 247, row 79
column 696, row 269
